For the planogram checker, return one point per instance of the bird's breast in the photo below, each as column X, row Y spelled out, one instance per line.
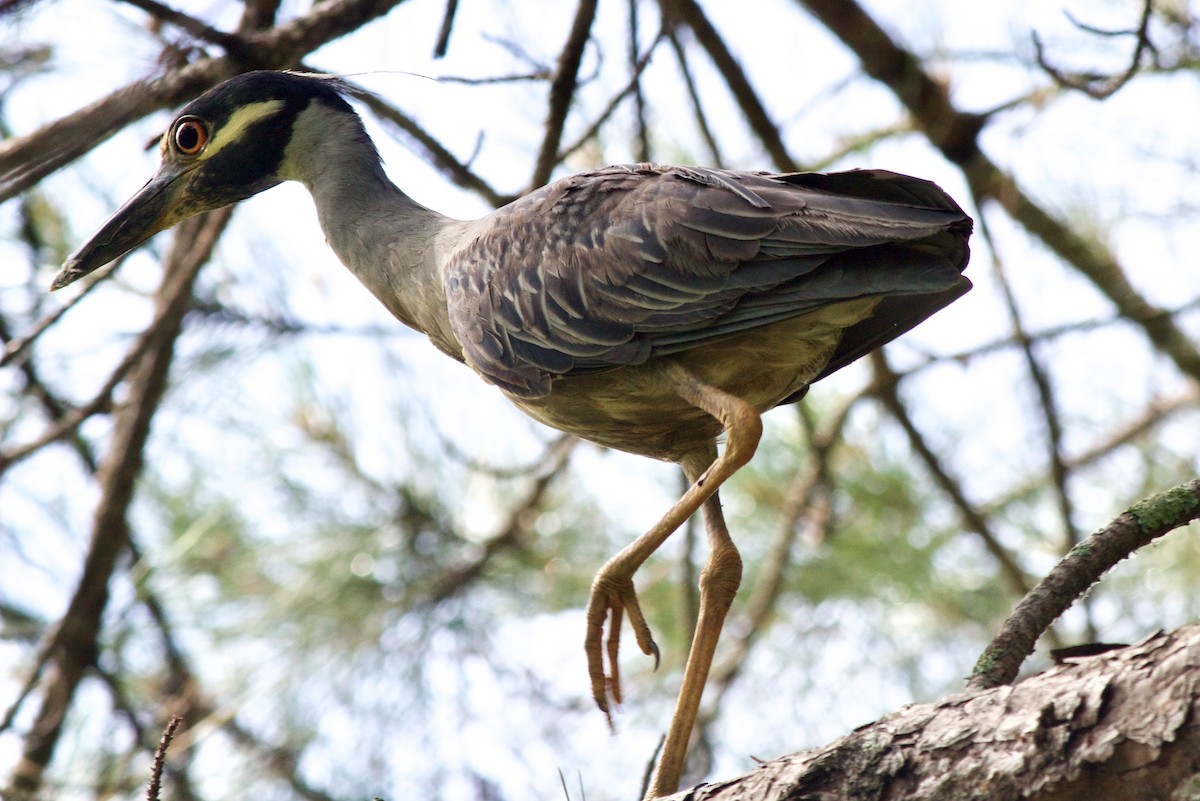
column 634, row 408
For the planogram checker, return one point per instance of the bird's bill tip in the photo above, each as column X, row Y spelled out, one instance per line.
column 70, row 273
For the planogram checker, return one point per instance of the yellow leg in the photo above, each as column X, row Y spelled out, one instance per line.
column 613, row 593
column 719, row 583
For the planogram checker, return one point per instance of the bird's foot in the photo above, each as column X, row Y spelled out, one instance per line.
column 612, row 598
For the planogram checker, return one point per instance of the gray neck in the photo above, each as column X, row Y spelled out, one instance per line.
column 395, row 246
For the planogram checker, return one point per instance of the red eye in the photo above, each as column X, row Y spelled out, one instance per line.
column 190, row 136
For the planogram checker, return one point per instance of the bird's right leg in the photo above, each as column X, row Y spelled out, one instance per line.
column 613, row 595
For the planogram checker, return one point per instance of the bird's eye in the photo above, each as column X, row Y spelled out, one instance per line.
column 190, row 136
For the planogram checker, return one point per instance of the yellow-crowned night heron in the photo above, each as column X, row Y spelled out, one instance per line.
column 646, row 308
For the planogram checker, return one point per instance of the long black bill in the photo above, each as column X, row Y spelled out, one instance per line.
column 151, row 210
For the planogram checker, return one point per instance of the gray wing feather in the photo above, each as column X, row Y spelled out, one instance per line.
column 609, row 268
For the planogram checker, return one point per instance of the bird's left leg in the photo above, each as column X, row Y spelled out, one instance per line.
column 719, row 581
column 613, row 593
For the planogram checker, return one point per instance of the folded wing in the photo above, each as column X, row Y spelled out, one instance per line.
column 614, row 267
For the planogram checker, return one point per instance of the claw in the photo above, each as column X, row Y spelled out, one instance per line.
column 611, row 598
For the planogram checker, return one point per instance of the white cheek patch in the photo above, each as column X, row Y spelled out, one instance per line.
column 238, row 122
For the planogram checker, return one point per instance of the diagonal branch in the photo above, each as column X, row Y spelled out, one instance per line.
column 689, row 13
column 513, row 535
column 956, row 134
column 75, row 642
column 433, row 151
column 562, row 92
column 700, row 117
column 1143, row 523
column 885, row 387
column 1045, row 394
column 25, row 160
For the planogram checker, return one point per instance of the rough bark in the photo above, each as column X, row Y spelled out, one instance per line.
column 1122, row 725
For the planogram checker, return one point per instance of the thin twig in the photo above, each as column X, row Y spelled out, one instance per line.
column 102, row 401
column 1099, row 86
column 639, row 97
column 15, row 348
column 492, row 80
column 432, row 150
column 1154, row 414
column 1045, row 394
column 160, row 759
column 699, row 116
column 690, row 13
column 885, row 389
column 613, row 104
column 512, row 534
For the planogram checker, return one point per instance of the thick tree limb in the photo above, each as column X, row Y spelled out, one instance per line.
column 1123, row 725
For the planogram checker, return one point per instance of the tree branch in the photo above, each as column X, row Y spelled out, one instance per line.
column 690, row 14
column 956, row 134
column 562, row 92
column 885, row 390
column 1127, row 721
column 1100, row 87
column 432, row 150
column 1045, row 394
column 75, row 641
column 1145, row 522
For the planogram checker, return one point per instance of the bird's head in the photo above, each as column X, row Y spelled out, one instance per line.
column 227, row 145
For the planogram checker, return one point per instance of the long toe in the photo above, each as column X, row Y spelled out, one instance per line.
column 611, row 599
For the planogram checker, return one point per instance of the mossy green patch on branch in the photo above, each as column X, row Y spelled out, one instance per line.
column 1173, row 507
